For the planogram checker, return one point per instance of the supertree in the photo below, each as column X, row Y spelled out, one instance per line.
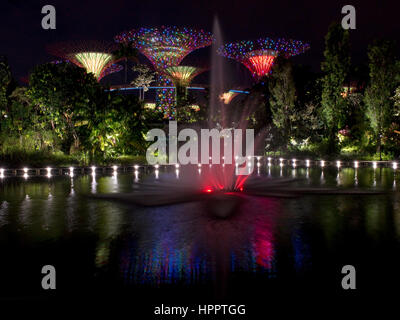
column 258, row 56
column 181, row 77
column 94, row 56
column 165, row 47
column 113, row 68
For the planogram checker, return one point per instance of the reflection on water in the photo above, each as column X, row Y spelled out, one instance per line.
column 182, row 244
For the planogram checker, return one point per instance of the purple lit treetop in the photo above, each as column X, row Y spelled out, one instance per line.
column 166, row 46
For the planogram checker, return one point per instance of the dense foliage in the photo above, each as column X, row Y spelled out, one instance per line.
column 65, row 111
column 335, row 68
column 66, row 116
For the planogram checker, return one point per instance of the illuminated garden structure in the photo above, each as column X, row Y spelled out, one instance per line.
column 113, row 68
column 181, row 77
column 228, row 96
column 258, row 56
column 166, row 47
column 94, row 56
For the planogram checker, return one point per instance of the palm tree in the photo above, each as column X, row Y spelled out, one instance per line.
column 126, row 52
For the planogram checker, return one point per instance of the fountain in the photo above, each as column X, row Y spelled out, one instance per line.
column 219, row 186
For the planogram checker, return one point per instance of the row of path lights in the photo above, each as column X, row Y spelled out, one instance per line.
column 115, row 168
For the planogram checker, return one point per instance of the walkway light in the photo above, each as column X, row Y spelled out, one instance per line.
column 338, row 164
column 71, row 171
column 177, row 165
column 355, row 164
column 93, row 170
column 322, row 163
column 307, row 163
column 115, row 168
column 25, row 170
column 156, row 166
column 394, row 165
column 1, row 173
column 374, row 164
column 48, row 172
column 136, row 166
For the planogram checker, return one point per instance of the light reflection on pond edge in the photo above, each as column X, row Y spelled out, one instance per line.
column 274, row 246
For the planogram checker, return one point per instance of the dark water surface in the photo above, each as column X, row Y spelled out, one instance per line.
column 271, row 250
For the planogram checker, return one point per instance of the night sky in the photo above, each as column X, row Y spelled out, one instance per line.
column 24, row 41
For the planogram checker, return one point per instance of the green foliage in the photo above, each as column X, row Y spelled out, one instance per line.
column 66, row 110
column 65, row 116
column 282, row 96
column 5, row 80
column 118, row 128
column 383, row 72
column 396, row 99
column 67, row 96
column 335, row 67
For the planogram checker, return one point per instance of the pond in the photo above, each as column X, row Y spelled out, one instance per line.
column 270, row 249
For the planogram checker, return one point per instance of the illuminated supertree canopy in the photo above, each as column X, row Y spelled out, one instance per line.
column 182, row 75
column 95, row 56
column 166, row 47
column 258, row 56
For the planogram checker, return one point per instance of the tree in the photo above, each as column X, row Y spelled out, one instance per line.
column 396, row 97
column 335, row 68
column 382, row 84
column 126, row 52
column 145, row 76
column 5, row 80
column 67, row 95
column 117, row 127
column 282, row 96
column 307, row 122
